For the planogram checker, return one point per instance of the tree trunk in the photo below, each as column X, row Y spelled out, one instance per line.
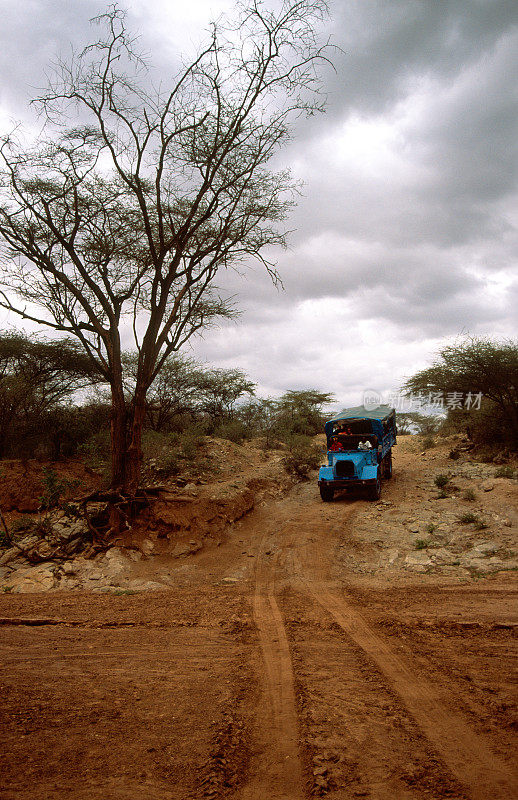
column 126, row 441
column 118, row 424
column 134, row 451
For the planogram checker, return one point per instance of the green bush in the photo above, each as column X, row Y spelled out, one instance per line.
column 233, row 430
column 441, row 480
column 160, row 454
column 191, row 443
column 303, row 456
column 54, row 488
column 504, row 472
column 421, row 544
column 469, row 494
column 472, row 519
column 96, row 450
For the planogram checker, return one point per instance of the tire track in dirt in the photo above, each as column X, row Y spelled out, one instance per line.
column 278, row 774
column 465, row 752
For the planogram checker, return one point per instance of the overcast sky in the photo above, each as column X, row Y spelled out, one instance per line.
column 406, row 234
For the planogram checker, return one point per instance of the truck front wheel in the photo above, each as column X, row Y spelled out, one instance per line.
column 375, row 489
column 327, row 493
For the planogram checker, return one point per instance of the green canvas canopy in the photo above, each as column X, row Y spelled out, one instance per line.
column 360, row 412
column 377, row 415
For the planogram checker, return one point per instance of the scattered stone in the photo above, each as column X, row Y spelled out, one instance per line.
column 117, row 561
column 9, row 555
column 32, row 579
column 27, row 542
column 497, row 563
column 486, row 547
column 487, row 486
column 73, row 546
column 444, row 557
column 180, row 550
column 147, row 547
column 42, row 551
column 418, row 559
column 443, row 527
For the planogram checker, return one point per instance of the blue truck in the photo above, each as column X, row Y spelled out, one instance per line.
column 359, row 451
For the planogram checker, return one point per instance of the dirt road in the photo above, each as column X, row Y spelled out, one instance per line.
column 275, row 670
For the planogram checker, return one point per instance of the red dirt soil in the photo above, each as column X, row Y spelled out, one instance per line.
column 275, row 671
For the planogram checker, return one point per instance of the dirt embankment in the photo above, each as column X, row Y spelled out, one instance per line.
column 23, row 485
column 192, row 511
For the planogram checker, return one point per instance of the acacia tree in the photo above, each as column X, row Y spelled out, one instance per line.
column 38, row 376
column 220, row 389
column 473, row 366
column 121, row 213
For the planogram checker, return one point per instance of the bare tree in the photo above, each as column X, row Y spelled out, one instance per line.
column 121, row 213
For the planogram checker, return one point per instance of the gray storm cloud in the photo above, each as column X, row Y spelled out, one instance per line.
column 406, row 231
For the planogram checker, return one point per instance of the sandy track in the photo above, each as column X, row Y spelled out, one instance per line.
column 468, row 756
column 279, row 770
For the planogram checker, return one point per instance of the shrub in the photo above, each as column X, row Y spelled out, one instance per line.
column 169, row 465
column 421, row 544
column 54, row 488
column 504, row 472
column 441, row 481
column 430, row 528
column 96, row 449
column 23, row 524
column 234, row 430
column 191, row 442
column 43, row 527
column 428, row 442
column 469, row 494
column 302, row 457
column 472, row 519
column 161, row 456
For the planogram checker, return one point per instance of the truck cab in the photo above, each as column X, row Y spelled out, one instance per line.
column 359, row 451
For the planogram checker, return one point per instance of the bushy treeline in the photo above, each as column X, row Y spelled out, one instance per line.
column 53, row 403
column 38, row 379
column 474, row 366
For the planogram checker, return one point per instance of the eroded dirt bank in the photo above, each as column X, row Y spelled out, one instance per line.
column 318, row 650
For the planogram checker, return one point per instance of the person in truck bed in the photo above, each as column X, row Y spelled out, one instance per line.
column 364, row 444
